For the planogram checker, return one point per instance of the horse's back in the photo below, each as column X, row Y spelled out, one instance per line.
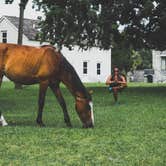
column 27, row 64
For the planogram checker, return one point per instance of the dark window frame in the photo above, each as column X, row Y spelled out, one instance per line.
column 4, row 36
column 98, row 65
column 85, row 67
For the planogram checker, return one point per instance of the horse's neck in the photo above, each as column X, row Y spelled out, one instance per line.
column 71, row 79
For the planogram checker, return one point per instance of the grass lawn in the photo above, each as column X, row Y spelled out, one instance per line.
column 132, row 133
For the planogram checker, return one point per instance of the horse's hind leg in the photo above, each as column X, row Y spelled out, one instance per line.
column 42, row 94
column 56, row 90
column 1, row 76
column 2, row 119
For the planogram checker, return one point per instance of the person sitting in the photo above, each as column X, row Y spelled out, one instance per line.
column 116, row 82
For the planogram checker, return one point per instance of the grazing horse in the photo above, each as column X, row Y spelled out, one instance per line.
column 48, row 67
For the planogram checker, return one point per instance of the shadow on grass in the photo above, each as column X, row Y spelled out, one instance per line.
column 31, row 123
column 22, row 123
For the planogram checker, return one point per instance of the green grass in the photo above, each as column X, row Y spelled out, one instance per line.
column 132, row 133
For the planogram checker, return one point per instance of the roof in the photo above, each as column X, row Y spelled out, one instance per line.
column 29, row 28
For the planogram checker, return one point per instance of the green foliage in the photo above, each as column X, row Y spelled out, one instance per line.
column 90, row 23
column 9, row 1
column 82, row 22
column 131, row 133
column 136, row 59
column 129, row 59
column 121, row 57
column 146, row 56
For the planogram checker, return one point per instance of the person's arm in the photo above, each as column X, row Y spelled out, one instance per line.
column 123, row 82
column 108, row 81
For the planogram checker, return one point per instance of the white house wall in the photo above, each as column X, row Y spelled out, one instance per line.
column 159, row 75
column 93, row 56
column 12, row 32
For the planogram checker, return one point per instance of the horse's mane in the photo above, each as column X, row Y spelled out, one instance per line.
column 71, row 74
column 50, row 47
column 74, row 78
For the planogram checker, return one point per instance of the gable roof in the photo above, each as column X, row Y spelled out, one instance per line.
column 29, row 28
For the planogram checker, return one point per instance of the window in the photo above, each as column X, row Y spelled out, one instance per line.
column 4, row 36
column 98, row 68
column 163, row 63
column 85, row 67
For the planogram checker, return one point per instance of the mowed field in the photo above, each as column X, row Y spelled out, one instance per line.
column 132, row 133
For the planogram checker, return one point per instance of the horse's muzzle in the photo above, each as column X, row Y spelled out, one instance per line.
column 88, row 125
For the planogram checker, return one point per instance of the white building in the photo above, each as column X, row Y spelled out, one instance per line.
column 159, row 66
column 93, row 65
column 9, row 30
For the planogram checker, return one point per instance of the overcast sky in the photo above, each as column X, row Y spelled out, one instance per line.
column 13, row 9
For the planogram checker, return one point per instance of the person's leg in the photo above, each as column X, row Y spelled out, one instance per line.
column 110, row 89
column 115, row 94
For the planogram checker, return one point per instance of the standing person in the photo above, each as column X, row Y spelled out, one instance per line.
column 116, row 82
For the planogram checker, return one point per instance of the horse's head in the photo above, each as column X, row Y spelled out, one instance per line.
column 84, row 107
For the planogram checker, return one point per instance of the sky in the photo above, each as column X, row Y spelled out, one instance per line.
column 13, row 9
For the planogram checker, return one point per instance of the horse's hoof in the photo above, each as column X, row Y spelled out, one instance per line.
column 69, row 125
column 41, row 124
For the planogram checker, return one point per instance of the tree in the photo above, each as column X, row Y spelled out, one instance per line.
column 22, row 5
column 86, row 23
column 156, row 26
column 121, row 58
column 127, row 59
column 146, row 59
column 90, row 23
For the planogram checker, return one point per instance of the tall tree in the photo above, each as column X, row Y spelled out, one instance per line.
column 90, row 23
column 86, row 23
column 22, row 5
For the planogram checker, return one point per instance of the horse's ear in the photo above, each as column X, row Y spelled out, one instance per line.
column 91, row 92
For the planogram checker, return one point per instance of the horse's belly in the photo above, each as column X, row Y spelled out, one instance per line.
column 27, row 72
column 25, row 76
column 21, row 76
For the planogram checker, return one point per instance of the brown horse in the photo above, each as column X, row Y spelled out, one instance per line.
column 48, row 67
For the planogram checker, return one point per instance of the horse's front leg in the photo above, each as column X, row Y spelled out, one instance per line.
column 56, row 90
column 42, row 94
